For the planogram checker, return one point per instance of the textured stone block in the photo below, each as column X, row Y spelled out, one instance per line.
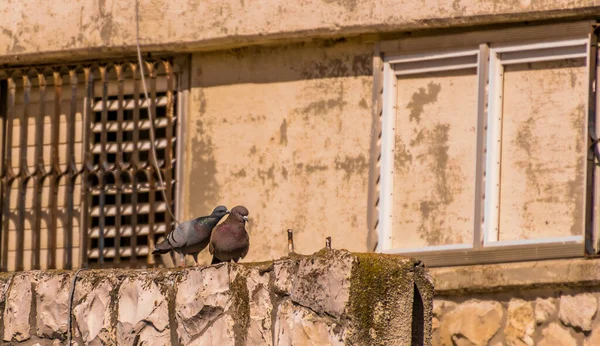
column 520, row 324
column 18, row 307
column 261, row 308
column 545, row 309
column 52, row 304
column 94, row 307
column 554, row 335
column 203, row 296
column 322, row 283
column 578, row 311
column 284, row 272
column 473, row 322
column 296, row 325
column 143, row 312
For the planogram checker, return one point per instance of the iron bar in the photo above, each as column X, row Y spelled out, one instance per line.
column 39, row 173
column 56, row 169
column 290, row 234
column 23, row 173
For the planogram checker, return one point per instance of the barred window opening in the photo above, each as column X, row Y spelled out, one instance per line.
column 77, row 156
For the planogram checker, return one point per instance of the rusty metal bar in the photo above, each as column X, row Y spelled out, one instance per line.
column 119, row 161
column 8, row 174
column 23, row 173
column 290, row 236
column 103, row 164
column 39, row 173
column 151, row 216
column 70, row 173
column 152, row 180
column 3, row 250
column 87, row 168
column 168, row 151
column 56, row 170
column 135, row 159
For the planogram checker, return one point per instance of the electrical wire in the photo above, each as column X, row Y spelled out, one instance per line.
column 70, row 318
column 150, row 115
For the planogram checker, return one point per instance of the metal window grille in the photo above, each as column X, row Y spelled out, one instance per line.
column 79, row 187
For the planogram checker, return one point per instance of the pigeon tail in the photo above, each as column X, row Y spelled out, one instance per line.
column 215, row 260
column 162, row 248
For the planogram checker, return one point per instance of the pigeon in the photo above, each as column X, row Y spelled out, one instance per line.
column 230, row 241
column 191, row 237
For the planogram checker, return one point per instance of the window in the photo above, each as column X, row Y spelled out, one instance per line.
column 79, row 187
column 483, row 147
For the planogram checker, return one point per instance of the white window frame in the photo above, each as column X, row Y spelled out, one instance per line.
column 528, row 53
column 493, row 50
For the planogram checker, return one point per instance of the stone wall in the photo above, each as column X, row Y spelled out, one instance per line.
column 330, row 298
column 544, row 318
column 543, row 303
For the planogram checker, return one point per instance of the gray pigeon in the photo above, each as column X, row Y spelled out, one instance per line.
column 229, row 240
column 192, row 236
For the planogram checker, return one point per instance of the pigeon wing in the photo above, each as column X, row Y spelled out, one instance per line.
column 179, row 237
column 245, row 251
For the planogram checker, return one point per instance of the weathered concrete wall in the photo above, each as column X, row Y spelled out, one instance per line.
column 286, row 132
column 538, row 303
column 330, row 298
column 434, row 157
column 53, row 28
column 542, row 195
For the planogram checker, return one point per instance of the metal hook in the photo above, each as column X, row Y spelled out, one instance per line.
column 290, row 241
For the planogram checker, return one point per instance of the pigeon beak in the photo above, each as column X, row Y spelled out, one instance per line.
column 245, row 218
column 228, row 212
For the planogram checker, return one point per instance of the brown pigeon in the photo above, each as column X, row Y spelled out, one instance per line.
column 192, row 236
column 230, row 241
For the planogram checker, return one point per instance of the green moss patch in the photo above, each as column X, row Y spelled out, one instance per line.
column 376, row 285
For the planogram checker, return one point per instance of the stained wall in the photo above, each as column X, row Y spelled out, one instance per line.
column 284, row 131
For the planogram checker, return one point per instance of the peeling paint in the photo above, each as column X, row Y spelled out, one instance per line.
column 349, row 5
column 433, row 228
column 363, row 104
column 268, row 174
column 402, row 156
column 352, row 165
column 239, row 174
column 283, row 139
column 312, row 168
column 422, row 98
column 201, row 100
column 322, row 106
column 344, row 66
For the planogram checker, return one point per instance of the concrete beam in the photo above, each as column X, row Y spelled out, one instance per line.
column 518, row 275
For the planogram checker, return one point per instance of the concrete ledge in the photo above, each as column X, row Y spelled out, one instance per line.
column 497, row 277
column 329, row 298
column 36, row 30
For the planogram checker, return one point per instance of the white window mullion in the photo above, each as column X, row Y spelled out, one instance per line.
column 494, row 150
column 386, row 188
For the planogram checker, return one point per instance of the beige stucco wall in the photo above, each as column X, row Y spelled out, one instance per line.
column 79, row 28
column 285, row 132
